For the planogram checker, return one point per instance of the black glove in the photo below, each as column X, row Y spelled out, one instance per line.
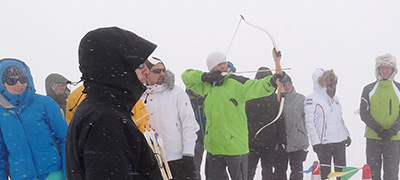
column 347, row 142
column 385, row 134
column 213, row 77
column 317, row 148
column 278, row 76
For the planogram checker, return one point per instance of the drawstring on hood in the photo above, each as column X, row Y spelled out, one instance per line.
column 385, row 60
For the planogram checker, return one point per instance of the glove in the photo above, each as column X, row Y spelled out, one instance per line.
column 317, row 148
column 276, row 76
column 385, row 134
column 213, row 77
column 347, row 142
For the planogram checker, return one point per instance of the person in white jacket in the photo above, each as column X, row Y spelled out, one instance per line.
column 325, row 126
column 172, row 117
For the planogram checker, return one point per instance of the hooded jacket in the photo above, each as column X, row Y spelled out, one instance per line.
column 51, row 82
column 323, row 114
column 140, row 115
column 226, row 128
column 103, row 142
column 293, row 114
column 172, row 117
column 32, row 132
column 380, row 100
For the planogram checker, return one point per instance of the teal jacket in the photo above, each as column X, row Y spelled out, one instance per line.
column 226, row 130
column 32, row 132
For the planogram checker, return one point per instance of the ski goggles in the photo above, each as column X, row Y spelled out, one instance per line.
column 13, row 81
column 157, row 71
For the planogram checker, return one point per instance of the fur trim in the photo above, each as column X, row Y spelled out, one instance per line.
column 329, row 74
column 385, row 60
column 169, row 80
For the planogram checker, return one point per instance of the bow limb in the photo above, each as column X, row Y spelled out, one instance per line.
column 276, row 53
column 276, row 118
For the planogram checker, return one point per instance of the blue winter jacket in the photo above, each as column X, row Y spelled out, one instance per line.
column 32, row 133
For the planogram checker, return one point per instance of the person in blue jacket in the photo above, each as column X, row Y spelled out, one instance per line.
column 32, row 128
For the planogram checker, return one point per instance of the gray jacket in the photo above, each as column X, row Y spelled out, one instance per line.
column 293, row 114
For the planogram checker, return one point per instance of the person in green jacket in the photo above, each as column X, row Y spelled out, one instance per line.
column 226, row 133
column 379, row 109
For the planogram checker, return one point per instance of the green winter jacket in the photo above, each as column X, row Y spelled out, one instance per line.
column 226, row 130
column 380, row 108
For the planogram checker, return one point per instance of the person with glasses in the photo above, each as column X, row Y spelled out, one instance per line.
column 56, row 88
column 380, row 111
column 102, row 141
column 172, row 117
column 32, row 129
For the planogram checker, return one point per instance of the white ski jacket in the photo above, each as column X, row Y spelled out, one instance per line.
column 323, row 115
column 172, row 117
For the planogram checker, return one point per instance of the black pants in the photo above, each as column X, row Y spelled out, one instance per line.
column 281, row 163
column 327, row 152
column 379, row 151
column 267, row 156
column 296, row 160
column 182, row 170
column 198, row 158
column 216, row 166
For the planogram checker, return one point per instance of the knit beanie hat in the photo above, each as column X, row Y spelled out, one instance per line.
column 385, row 60
column 12, row 71
column 214, row 59
column 152, row 61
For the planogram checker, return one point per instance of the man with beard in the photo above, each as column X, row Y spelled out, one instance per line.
column 172, row 117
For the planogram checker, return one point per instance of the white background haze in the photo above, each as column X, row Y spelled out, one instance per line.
column 342, row 35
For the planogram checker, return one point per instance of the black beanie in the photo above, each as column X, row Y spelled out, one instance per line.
column 264, row 72
column 12, row 71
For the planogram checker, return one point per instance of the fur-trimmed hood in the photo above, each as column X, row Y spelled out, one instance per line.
column 385, row 60
column 169, row 83
column 319, row 76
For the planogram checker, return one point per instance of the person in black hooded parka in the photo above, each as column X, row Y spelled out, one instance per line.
column 102, row 141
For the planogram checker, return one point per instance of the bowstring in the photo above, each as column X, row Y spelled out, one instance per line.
column 234, row 35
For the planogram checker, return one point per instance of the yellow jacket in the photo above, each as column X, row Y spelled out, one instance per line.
column 140, row 115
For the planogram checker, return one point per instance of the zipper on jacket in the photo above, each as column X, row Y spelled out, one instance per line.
column 390, row 107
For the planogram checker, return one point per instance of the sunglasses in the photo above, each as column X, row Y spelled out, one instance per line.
column 141, row 66
column 157, row 71
column 13, row 81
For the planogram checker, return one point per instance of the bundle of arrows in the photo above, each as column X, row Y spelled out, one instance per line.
column 156, row 145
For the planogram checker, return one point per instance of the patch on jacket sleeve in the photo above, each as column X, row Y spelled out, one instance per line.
column 309, row 101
